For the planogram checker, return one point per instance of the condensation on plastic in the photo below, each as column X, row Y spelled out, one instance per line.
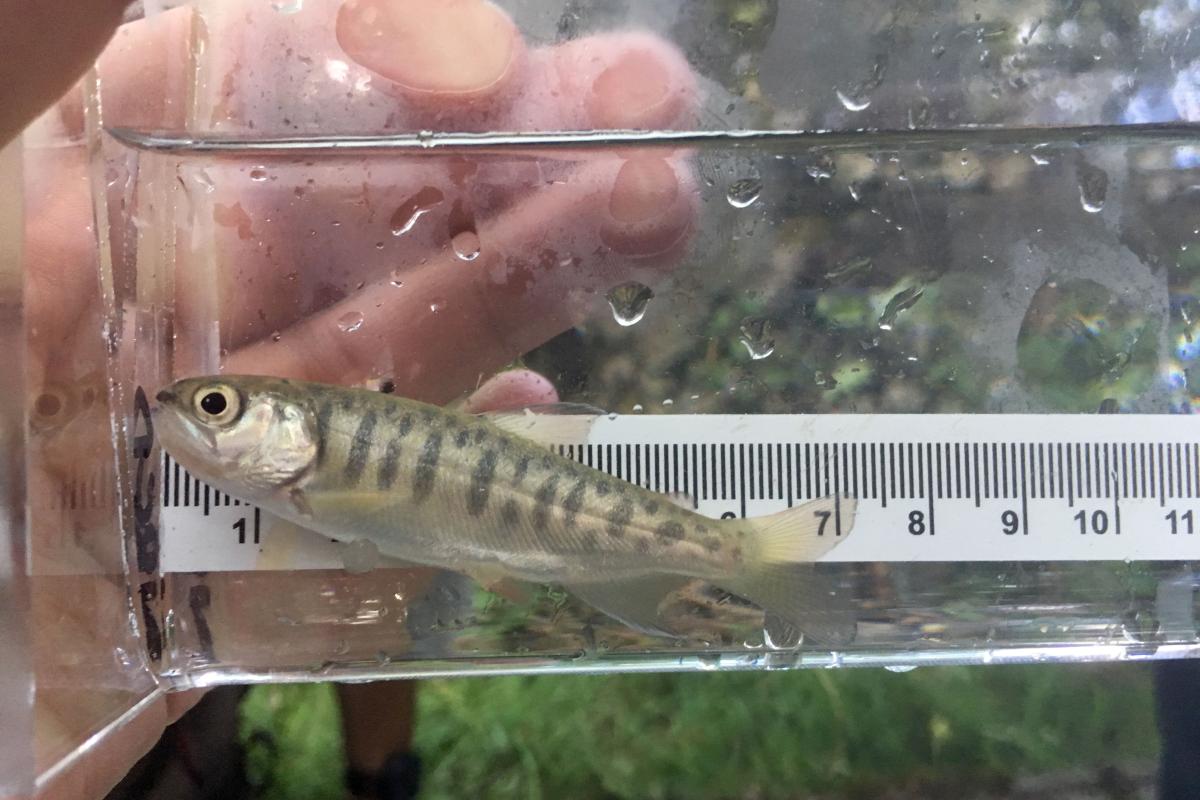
column 995, row 228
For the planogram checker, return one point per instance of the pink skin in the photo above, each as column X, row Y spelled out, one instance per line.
column 555, row 231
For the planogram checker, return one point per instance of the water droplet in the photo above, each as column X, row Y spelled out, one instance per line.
column 350, row 322
column 637, row 408
column 287, row 6
column 709, row 661
column 436, row 305
column 382, row 658
column 902, row 301
column 276, row 336
column 1038, row 156
column 411, row 210
column 258, row 174
column 204, row 179
column 398, row 278
column 853, row 102
column 744, row 192
column 426, row 138
column 360, row 556
column 850, row 269
column 826, row 382
column 628, row 302
column 668, row 402
column 466, row 245
column 900, row 667
column 1093, row 187
column 822, row 168
column 855, row 189
column 756, row 336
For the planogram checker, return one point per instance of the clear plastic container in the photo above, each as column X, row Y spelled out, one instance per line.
column 962, row 208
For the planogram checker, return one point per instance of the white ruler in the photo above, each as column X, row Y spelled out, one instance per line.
column 929, row 487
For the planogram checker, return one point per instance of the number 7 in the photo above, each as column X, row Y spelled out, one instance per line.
column 824, row 515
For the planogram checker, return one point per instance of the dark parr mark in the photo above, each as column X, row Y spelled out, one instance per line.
column 480, row 436
column 573, row 502
column 347, row 404
column 461, row 439
column 545, row 498
column 389, row 467
column 427, row 464
column 712, row 544
column 589, row 542
column 641, row 544
column 510, row 513
column 324, row 414
column 650, row 507
column 360, row 448
column 670, row 531
column 620, row 516
column 521, row 471
column 406, row 424
column 481, row 483
column 602, row 489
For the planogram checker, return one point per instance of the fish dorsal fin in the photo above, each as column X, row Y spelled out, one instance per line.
column 681, row 499
column 556, row 423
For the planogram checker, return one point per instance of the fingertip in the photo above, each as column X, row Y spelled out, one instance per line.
column 432, row 49
column 649, row 211
column 515, row 388
column 630, row 80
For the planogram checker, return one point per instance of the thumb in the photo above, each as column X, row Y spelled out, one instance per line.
column 45, row 47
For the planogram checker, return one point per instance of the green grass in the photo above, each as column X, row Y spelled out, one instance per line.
column 727, row 735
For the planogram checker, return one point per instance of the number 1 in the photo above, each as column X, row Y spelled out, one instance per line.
column 1189, row 522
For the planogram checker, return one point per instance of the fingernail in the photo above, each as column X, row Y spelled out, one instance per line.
column 434, row 46
column 645, row 188
column 647, row 214
column 630, row 92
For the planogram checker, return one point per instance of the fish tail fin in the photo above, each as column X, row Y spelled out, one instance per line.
column 781, row 579
column 801, row 534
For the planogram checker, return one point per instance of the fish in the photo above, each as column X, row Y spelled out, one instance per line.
column 477, row 495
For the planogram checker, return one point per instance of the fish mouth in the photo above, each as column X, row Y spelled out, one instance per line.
column 165, row 396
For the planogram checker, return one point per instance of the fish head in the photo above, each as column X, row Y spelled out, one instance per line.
column 248, row 435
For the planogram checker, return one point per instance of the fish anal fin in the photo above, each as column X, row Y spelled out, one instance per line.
column 499, row 582
column 797, row 595
column 633, row 601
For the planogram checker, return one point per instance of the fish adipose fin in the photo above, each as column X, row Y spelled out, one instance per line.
column 782, row 579
column 633, row 602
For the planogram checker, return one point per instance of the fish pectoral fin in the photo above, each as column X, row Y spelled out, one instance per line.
column 329, row 503
column 497, row 581
column 558, row 423
column 633, row 601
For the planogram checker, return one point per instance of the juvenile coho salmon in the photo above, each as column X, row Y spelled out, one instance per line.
column 473, row 494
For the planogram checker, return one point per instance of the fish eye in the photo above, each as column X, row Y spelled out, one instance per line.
column 217, row 404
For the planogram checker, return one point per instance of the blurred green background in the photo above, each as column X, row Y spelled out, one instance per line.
column 932, row 732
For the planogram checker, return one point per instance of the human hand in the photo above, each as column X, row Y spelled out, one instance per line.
column 553, row 233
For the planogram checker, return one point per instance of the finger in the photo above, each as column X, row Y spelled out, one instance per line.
column 45, row 46
column 358, row 65
column 516, row 388
column 539, row 267
column 292, row 238
column 438, row 54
